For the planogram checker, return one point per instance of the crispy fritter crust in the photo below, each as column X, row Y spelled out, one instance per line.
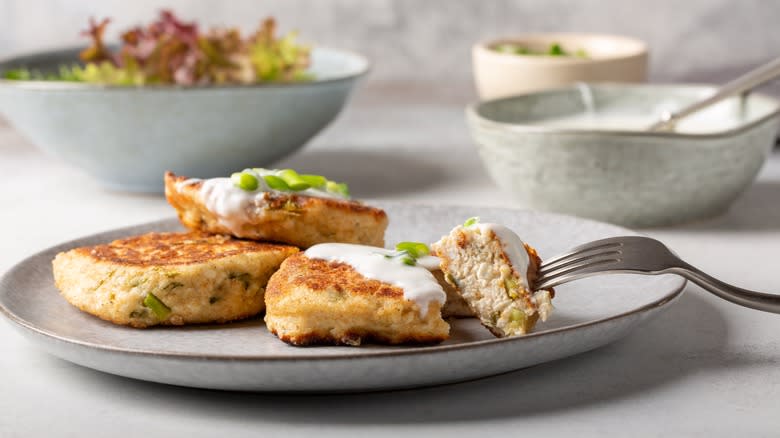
column 289, row 218
column 310, row 301
column 202, row 278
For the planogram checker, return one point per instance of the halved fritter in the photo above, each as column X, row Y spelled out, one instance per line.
column 455, row 306
column 314, row 301
column 493, row 270
column 169, row 278
column 296, row 219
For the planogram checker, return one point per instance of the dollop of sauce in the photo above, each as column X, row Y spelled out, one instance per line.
column 417, row 282
column 235, row 206
column 429, row 262
column 513, row 247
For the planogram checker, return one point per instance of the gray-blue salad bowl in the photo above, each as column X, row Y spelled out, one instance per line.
column 126, row 137
column 584, row 150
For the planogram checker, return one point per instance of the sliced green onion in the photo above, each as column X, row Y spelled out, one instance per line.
column 245, row 181
column 338, row 188
column 407, row 260
column 158, row 307
column 511, row 286
column 414, row 249
column 506, row 48
column 556, row 50
column 316, row 181
column 293, row 180
column 276, row 183
column 471, row 221
column 517, row 315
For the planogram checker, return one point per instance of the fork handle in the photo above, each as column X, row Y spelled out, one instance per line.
column 737, row 295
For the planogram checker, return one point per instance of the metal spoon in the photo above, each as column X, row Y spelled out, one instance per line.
column 742, row 84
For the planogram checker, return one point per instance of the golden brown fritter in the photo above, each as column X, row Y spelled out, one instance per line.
column 281, row 217
column 192, row 278
column 311, row 301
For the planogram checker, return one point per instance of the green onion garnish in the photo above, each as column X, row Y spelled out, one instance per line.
column 158, row 307
column 556, row 50
column 408, row 252
column 316, row 181
column 471, row 221
column 414, row 249
column 506, row 48
column 338, row 188
column 408, row 260
column 287, row 180
column 276, row 183
column 293, row 180
column 245, row 181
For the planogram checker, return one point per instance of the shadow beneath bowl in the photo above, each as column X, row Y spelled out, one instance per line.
column 758, row 209
column 369, row 173
column 686, row 339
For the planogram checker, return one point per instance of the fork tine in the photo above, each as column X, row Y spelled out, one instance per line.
column 576, row 270
column 580, row 264
column 546, row 268
column 580, row 251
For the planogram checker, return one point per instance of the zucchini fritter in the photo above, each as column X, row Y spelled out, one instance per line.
column 313, row 301
column 169, row 278
column 291, row 218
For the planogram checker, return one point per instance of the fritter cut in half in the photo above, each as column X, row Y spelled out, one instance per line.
column 493, row 270
column 325, row 296
column 455, row 306
column 169, row 278
column 275, row 205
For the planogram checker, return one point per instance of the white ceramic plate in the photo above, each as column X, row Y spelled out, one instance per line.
column 245, row 356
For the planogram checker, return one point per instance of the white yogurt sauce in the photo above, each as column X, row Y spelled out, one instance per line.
column 429, row 262
column 417, row 282
column 592, row 121
column 513, row 247
column 723, row 116
column 234, row 206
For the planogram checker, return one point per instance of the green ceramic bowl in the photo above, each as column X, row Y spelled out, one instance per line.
column 543, row 150
column 126, row 137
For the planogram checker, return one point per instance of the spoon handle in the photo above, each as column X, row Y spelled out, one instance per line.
column 746, row 82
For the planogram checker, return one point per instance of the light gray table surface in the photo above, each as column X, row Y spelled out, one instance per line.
column 703, row 368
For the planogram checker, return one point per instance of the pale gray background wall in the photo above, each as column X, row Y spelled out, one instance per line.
column 430, row 39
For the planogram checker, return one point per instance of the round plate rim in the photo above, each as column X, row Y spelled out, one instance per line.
column 415, row 350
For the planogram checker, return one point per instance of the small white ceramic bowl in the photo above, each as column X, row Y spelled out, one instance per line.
column 539, row 148
column 610, row 58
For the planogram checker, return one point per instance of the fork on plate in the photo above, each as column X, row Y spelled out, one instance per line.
column 642, row 255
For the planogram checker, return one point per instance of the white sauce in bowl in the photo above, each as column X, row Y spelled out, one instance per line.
column 597, row 121
column 417, row 282
column 723, row 116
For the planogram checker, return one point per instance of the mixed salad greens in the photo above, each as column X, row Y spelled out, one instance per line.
column 169, row 51
column 555, row 49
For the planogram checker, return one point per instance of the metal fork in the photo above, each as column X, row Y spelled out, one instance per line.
column 642, row 255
